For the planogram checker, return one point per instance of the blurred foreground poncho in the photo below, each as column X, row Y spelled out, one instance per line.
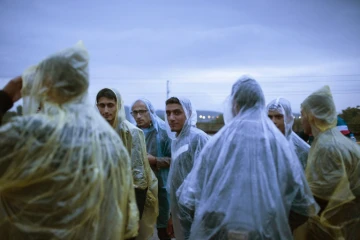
column 64, row 172
column 333, row 172
column 247, row 178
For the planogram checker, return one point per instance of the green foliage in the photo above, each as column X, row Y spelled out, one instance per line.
column 351, row 115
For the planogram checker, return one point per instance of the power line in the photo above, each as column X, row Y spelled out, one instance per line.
column 196, row 79
column 291, row 76
column 214, row 78
column 203, row 81
column 313, row 76
column 222, row 93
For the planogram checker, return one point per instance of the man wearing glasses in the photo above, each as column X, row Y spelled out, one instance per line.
column 158, row 146
column 112, row 108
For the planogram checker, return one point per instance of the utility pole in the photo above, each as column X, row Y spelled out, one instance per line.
column 167, row 89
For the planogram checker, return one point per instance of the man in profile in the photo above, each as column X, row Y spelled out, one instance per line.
column 279, row 111
column 333, row 171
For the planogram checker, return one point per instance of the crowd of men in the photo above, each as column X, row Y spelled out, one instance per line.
column 72, row 171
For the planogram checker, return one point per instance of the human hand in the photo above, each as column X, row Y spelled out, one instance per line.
column 152, row 159
column 170, row 228
column 13, row 88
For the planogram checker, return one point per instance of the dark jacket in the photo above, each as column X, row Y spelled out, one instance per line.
column 5, row 103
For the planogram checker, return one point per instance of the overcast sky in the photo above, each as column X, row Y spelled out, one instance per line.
column 291, row 47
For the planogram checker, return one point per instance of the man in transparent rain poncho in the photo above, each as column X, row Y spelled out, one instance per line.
column 158, row 146
column 64, row 173
column 279, row 111
column 333, row 171
column 247, row 182
column 112, row 108
column 187, row 143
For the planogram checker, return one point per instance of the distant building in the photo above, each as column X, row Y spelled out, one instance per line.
column 202, row 115
column 208, row 116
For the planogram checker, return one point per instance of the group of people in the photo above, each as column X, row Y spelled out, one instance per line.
column 69, row 170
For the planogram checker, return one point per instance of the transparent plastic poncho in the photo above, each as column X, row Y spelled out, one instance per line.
column 134, row 140
column 333, row 171
column 158, row 144
column 283, row 106
column 246, row 179
column 185, row 148
column 65, row 173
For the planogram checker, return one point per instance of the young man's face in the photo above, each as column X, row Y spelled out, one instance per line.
column 176, row 117
column 107, row 108
column 141, row 114
column 278, row 119
column 305, row 123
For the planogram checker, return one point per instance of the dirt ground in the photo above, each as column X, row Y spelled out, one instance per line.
column 154, row 237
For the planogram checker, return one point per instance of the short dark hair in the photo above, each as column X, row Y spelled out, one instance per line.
column 173, row 100
column 106, row 92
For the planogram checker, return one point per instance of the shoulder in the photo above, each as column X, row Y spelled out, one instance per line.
column 161, row 124
column 35, row 124
column 164, row 134
column 136, row 133
column 197, row 135
column 298, row 143
column 334, row 144
column 20, row 130
column 328, row 142
column 126, row 125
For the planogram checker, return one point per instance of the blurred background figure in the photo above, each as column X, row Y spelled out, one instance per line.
column 333, row 171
